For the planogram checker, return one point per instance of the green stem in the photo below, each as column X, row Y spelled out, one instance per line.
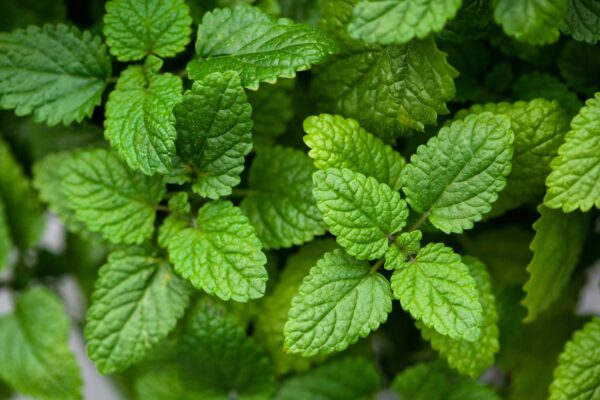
column 377, row 265
column 419, row 222
column 240, row 192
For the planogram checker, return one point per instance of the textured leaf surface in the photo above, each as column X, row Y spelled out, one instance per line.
column 214, row 132
column 137, row 28
column 577, row 376
column 338, row 142
column 535, row 22
column 136, row 303
column 5, row 239
column 139, row 118
column 534, row 85
column 388, row 90
column 455, row 178
column 575, row 179
column 179, row 218
column 437, row 289
column 280, row 203
column 55, row 73
column 471, row 358
column 556, row 249
column 221, row 254
column 407, row 244
column 340, row 301
column 361, row 212
column 399, row 21
column 34, row 356
column 24, row 213
column 109, row 198
column 346, row 378
column 259, row 47
column 582, row 21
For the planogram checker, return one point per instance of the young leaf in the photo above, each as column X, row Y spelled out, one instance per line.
column 471, row 358
column 582, row 21
column 399, row 21
column 214, row 132
column 35, row 358
column 24, row 214
column 178, row 219
column 339, row 142
column 556, row 247
column 535, row 22
column 340, row 301
column 577, row 376
column 139, row 118
column 437, row 288
column 407, row 244
column 55, row 72
column 221, row 254
column 280, row 202
column 136, row 303
column 455, row 178
column 5, row 239
column 575, row 179
column 259, row 47
column 136, row 29
column 108, row 197
column 362, row 213
column 342, row 379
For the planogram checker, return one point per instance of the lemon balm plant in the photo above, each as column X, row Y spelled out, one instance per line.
column 300, row 199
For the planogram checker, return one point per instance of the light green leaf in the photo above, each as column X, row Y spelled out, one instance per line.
column 136, row 302
column 534, row 85
column 342, row 379
column 582, row 21
column 55, row 72
column 178, row 219
column 24, row 213
column 575, row 179
column 35, row 359
column 556, row 247
column 135, row 29
column 6, row 243
column 362, row 213
column 274, row 308
column 388, row 90
column 471, row 358
column 437, row 288
column 280, row 202
column 407, row 244
column 577, row 376
column 399, row 21
column 139, row 118
column 340, row 301
column 535, row 22
column 340, row 142
column 579, row 64
column 221, row 254
column 259, row 47
column 108, row 197
column 214, row 132
column 455, row 178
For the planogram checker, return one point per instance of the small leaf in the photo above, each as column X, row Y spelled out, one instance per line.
column 178, row 219
column 407, row 244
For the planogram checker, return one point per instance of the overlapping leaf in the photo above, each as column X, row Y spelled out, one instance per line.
column 582, row 21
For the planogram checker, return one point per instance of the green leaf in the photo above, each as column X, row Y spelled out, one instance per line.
column 179, row 218
column 579, row 64
column 272, row 110
column 577, row 376
column 55, row 72
column 259, row 47
column 362, row 213
column 556, row 248
column 274, row 307
column 221, row 254
column 455, row 178
column 6, row 243
column 471, row 358
column 108, row 197
column 214, row 132
column 135, row 29
column 24, row 214
column 280, row 202
column 139, row 119
column 437, row 289
column 535, row 22
column 136, row 303
column 35, row 359
column 399, row 21
column 340, row 301
column 407, row 244
column 388, row 90
column 338, row 142
column 534, row 85
column 575, row 179
column 342, row 379
column 582, row 21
